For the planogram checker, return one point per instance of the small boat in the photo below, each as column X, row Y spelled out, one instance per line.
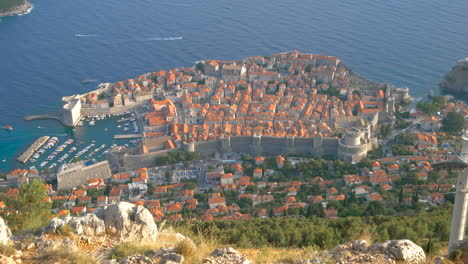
column 3, row 161
column 92, row 123
column 9, row 128
column 86, row 81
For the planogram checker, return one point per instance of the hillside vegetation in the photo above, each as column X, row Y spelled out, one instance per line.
column 326, row 234
column 8, row 4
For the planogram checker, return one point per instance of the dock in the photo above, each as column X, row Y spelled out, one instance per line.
column 127, row 136
column 23, row 158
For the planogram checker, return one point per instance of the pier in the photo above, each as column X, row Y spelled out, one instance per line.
column 127, row 136
column 23, row 158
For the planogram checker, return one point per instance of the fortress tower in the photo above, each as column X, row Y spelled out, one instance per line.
column 71, row 110
column 352, row 147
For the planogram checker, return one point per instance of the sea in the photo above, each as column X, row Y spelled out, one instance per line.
column 46, row 54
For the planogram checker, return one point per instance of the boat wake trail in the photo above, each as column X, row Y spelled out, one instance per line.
column 175, row 4
column 163, row 39
column 86, row 35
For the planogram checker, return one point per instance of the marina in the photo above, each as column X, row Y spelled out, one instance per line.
column 23, row 158
column 92, row 138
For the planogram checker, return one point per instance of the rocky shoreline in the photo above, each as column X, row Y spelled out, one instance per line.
column 18, row 10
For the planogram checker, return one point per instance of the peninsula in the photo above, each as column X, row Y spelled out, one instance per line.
column 457, row 79
column 14, row 7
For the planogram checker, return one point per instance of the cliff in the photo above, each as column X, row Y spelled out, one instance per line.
column 14, row 7
column 457, row 79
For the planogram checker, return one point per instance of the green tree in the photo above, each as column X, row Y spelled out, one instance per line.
column 200, row 67
column 29, row 210
column 375, row 208
column 453, row 122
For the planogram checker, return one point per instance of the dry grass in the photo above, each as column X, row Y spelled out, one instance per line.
column 283, row 255
column 64, row 255
column 186, row 248
column 7, row 250
column 127, row 248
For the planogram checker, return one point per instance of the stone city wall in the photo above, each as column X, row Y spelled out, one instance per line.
column 270, row 145
column 133, row 162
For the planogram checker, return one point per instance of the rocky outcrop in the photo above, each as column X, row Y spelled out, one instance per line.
column 137, row 259
column 389, row 252
column 126, row 221
column 130, row 222
column 457, row 79
column 43, row 244
column 226, row 256
column 5, row 232
column 88, row 225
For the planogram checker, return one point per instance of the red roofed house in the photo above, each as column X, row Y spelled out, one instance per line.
column 352, row 179
column 258, row 173
column 216, row 201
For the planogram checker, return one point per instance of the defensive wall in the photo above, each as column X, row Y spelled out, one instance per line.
column 133, row 162
column 69, row 177
column 257, row 145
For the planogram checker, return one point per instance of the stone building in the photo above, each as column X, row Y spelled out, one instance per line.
column 75, row 174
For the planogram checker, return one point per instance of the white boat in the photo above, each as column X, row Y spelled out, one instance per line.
column 92, row 123
column 80, row 123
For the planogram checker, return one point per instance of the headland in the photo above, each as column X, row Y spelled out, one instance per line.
column 14, row 7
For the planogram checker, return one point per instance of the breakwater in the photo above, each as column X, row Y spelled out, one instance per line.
column 23, row 158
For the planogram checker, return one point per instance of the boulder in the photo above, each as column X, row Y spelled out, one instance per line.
column 400, row 250
column 88, row 225
column 130, row 222
column 137, row 259
column 5, row 232
column 226, row 256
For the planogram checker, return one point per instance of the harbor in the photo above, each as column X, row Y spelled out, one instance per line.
column 23, row 158
column 93, row 138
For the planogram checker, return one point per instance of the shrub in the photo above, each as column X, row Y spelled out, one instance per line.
column 67, row 230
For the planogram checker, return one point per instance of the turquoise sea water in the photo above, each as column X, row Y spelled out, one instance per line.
column 44, row 55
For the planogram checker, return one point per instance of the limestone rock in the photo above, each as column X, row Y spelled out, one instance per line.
column 43, row 244
column 55, row 225
column 172, row 258
column 6, row 260
column 130, row 222
column 407, row 251
column 226, row 256
column 5, row 232
column 88, row 225
column 137, row 259
column 360, row 245
column 400, row 250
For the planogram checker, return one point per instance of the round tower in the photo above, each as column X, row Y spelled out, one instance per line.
column 352, row 137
